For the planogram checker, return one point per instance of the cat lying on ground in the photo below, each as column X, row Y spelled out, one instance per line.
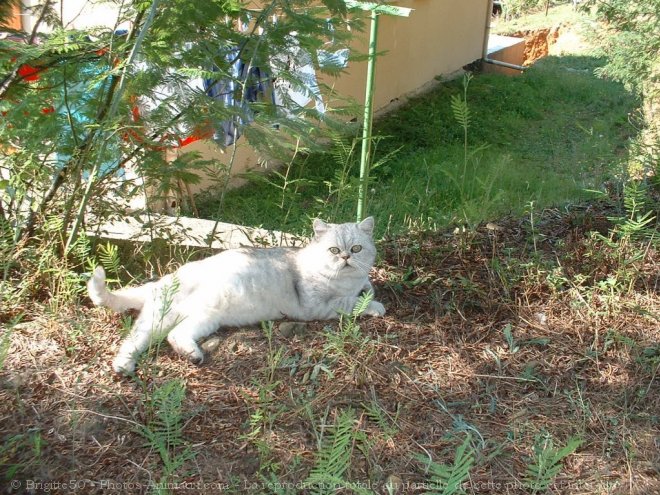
column 246, row 286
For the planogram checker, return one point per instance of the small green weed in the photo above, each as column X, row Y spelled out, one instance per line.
column 163, row 428
column 333, row 459
column 448, row 479
column 510, row 341
column 266, row 409
column 24, row 446
column 348, row 336
column 547, row 462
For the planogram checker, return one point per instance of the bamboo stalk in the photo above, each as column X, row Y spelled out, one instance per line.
column 368, row 118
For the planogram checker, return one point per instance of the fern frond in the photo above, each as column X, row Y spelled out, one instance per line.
column 164, row 427
column 634, row 198
column 341, row 152
column 53, row 224
column 547, row 462
column 81, row 248
column 168, row 412
column 363, row 303
column 448, row 480
column 461, row 111
column 334, row 457
column 109, row 257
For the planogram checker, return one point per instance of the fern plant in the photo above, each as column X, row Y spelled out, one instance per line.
column 449, row 479
column 461, row 111
column 635, row 225
column 163, row 429
column 547, row 462
column 383, row 420
column 627, row 244
column 334, row 458
column 349, row 334
column 109, row 257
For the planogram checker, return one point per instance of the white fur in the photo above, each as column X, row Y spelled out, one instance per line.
column 246, row 286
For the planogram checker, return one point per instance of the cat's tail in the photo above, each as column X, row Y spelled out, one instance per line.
column 121, row 300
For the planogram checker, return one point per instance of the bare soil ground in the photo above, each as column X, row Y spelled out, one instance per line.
column 582, row 362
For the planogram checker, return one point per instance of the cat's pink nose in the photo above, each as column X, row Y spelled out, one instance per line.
column 345, row 256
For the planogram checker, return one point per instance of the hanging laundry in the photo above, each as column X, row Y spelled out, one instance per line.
column 295, row 79
column 245, row 84
column 295, row 83
column 334, row 60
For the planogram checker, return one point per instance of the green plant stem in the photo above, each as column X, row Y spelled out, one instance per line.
column 466, row 124
column 368, row 118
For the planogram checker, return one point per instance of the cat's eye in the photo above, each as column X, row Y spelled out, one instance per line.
column 356, row 249
column 334, row 250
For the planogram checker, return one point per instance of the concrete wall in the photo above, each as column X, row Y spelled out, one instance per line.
column 505, row 49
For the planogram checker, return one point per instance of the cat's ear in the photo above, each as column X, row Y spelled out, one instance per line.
column 320, row 227
column 367, row 225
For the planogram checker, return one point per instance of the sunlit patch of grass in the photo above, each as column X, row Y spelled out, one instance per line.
column 546, row 136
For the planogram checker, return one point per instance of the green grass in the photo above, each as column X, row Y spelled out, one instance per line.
column 547, row 136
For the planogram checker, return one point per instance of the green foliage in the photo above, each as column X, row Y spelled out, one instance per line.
column 510, row 341
column 6, row 9
column 348, row 336
column 275, row 355
column 448, row 479
column 378, row 415
column 547, row 462
column 42, row 269
column 333, row 459
column 5, row 342
column 109, row 256
column 632, row 43
column 27, row 447
column 169, row 291
column 459, row 105
column 164, row 426
column 517, row 8
column 638, row 222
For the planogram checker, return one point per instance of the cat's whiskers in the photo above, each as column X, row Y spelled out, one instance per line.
column 360, row 265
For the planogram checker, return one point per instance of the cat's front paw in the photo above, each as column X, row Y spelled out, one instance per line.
column 123, row 365
column 375, row 309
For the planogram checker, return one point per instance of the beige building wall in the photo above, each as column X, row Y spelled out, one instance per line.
column 438, row 39
column 241, row 159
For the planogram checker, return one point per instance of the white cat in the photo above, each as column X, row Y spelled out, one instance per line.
column 246, row 286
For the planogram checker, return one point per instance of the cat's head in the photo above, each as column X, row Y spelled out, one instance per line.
column 345, row 246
